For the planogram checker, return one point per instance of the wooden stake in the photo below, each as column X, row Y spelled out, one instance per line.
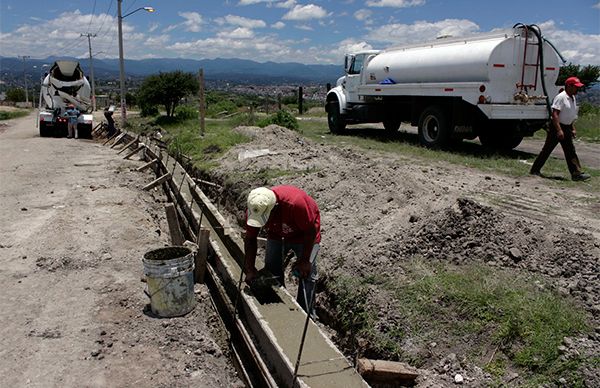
column 98, row 126
column 382, row 371
column 145, row 166
column 129, row 155
column 157, row 181
column 201, row 255
column 202, row 101
column 128, row 145
column 118, row 139
column 110, row 138
column 173, row 221
column 206, row 183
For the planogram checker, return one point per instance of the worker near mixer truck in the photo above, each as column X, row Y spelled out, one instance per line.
column 72, row 114
column 562, row 130
column 292, row 222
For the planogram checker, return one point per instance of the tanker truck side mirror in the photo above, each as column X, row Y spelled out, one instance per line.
column 348, row 62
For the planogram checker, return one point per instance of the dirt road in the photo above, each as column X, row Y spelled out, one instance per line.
column 74, row 227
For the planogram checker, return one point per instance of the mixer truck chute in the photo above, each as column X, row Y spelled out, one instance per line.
column 495, row 86
column 64, row 84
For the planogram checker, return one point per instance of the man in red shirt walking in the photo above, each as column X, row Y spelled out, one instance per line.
column 292, row 221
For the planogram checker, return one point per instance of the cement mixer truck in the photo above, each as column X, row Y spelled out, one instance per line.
column 497, row 87
column 63, row 85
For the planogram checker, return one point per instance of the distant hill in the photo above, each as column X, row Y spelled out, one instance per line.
column 234, row 70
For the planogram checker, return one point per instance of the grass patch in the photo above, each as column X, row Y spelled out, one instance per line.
column 183, row 136
column 13, row 114
column 588, row 127
column 525, row 322
column 468, row 154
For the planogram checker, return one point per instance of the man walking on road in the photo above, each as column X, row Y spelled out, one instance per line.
column 564, row 114
column 72, row 114
column 292, row 221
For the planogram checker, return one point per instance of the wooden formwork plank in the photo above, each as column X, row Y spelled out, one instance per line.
column 157, row 181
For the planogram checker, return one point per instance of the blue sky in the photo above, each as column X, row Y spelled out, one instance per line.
column 282, row 31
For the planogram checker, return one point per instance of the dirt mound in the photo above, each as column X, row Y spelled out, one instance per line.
column 379, row 210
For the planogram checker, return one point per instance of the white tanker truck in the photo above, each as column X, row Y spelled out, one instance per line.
column 495, row 86
column 63, row 85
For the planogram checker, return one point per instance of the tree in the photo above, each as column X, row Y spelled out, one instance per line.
column 588, row 75
column 167, row 89
column 15, row 95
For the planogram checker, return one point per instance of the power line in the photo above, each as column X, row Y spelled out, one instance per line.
column 92, row 18
column 130, row 6
column 105, row 16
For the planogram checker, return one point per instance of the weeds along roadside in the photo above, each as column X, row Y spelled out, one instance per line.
column 13, row 114
column 519, row 320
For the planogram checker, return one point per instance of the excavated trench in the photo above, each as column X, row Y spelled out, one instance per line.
column 451, row 230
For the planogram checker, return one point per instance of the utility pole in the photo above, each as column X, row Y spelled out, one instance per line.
column 89, row 36
column 24, row 58
column 121, row 64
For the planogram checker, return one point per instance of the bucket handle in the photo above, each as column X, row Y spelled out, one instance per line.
column 160, row 289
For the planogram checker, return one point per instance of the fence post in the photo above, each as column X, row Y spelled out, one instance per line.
column 202, row 102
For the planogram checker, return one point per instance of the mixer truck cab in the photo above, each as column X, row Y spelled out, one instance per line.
column 497, row 87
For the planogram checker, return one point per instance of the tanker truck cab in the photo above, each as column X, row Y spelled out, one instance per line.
column 495, row 86
column 342, row 98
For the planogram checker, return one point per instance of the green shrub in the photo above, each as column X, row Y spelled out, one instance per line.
column 246, row 119
column 185, row 112
column 148, row 110
column 282, row 118
column 221, row 107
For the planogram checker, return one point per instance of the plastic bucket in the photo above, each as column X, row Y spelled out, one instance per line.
column 170, row 279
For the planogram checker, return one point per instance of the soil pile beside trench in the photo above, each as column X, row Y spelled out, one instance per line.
column 378, row 211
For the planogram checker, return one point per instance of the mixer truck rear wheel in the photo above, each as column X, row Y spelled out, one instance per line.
column 434, row 131
column 336, row 122
column 44, row 131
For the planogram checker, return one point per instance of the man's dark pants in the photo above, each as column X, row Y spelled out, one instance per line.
column 275, row 255
column 568, row 149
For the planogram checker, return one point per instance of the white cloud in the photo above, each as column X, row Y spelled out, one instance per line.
column 157, row 41
column 395, row 3
column 576, row 47
column 251, row 2
column 238, row 33
column 193, row 21
column 286, row 4
column 153, row 27
column 421, row 31
column 241, row 21
column 305, row 12
column 61, row 36
column 363, row 14
column 260, row 48
column 597, row 6
column 304, row 27
column 278, row 26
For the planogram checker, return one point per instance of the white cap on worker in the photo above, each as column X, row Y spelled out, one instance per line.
column 260, row 203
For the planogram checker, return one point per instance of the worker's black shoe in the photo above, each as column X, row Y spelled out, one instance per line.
column 581, row 177
column 536, row 173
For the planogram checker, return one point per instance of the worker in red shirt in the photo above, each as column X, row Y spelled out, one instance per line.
column 292, row 221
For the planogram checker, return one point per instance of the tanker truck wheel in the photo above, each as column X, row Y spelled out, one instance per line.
column 336, row 122
column 499, row 135
column 434, row 131
column 392, row 125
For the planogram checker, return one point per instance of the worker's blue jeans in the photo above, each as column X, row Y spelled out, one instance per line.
column 275, row 255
